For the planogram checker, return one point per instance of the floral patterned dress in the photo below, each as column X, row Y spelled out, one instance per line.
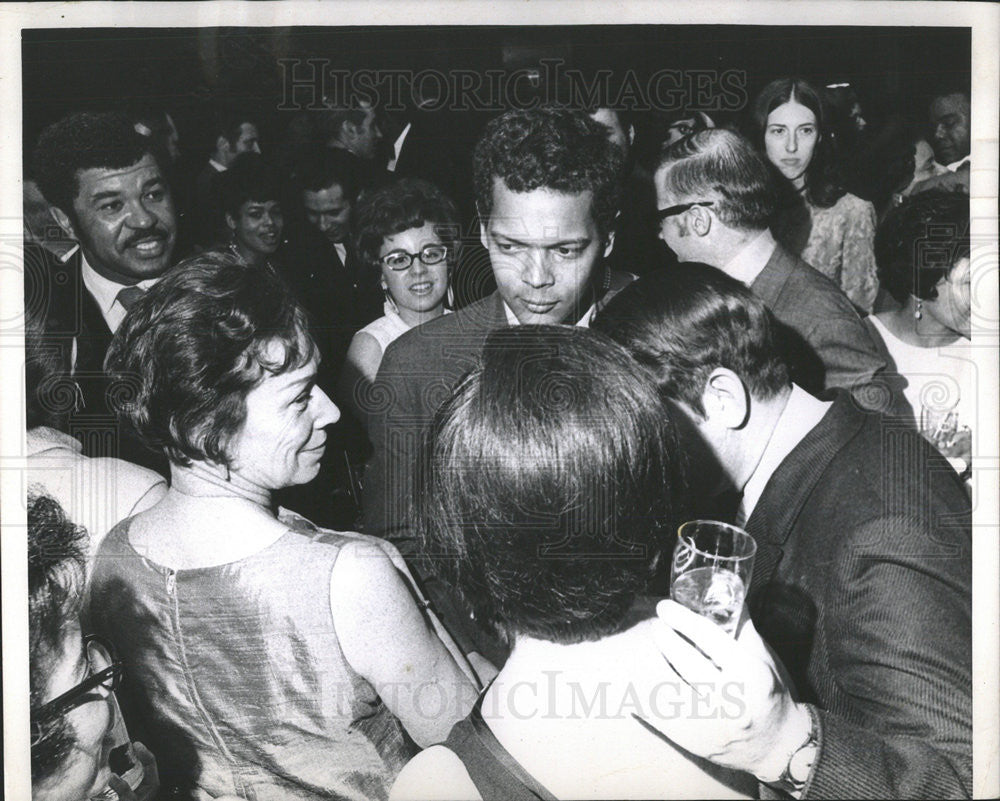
column 839, row 241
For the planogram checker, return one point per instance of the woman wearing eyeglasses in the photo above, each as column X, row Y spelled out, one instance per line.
column 409, row 232
column 831, row 229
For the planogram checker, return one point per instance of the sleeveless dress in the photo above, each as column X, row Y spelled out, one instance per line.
column 234, row 676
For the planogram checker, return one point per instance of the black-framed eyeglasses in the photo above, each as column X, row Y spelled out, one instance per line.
column 103, row 681
column 680, row 208
column 399, row 260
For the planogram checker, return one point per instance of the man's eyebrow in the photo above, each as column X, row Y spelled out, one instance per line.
column 583, row 240
column 105, row 195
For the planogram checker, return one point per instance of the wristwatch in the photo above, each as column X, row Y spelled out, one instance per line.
column 800, row 762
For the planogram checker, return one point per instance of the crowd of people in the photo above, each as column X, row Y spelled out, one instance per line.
column 331, row 499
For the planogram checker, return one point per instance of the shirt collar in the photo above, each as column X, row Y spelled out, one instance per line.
column 801, row 415
column 398, row 144
column 953, row 167
column 583, row 322
column 216, row 166
column 746, row 265
column 104, row 290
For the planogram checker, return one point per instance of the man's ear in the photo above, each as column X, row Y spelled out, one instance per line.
column 725, row 399
column 631, row 134
column 222, row 144
column 700, row 220
column 64, row 222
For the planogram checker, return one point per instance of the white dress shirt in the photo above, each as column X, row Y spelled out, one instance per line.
column 801, row 415
column 953, row 167
column 397, row 146
column 105, row 292
column 746, row 265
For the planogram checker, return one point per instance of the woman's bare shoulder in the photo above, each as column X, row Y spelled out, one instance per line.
column 435, row 774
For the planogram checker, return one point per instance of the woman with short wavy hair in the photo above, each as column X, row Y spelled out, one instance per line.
column 271, row 659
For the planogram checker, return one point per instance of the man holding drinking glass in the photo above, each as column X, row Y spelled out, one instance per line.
column 862, row 578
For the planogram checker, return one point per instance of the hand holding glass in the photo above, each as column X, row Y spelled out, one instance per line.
column 711, row 570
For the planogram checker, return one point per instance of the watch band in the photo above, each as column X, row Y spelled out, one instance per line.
column 795, row 776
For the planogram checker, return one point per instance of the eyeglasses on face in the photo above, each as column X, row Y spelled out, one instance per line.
column 101, row 681
column 399, row 260
column 680, row 208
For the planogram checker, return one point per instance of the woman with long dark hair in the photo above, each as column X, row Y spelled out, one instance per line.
column 819, row 219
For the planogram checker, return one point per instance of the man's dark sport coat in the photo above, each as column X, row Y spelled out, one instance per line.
column 862, row 585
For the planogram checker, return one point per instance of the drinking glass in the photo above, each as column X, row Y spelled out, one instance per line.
column 939, row 425
column 711, row 570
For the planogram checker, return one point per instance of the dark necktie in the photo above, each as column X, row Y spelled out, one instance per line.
column 129, row 295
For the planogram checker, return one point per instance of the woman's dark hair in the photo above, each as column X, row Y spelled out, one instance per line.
column 191, row 349
column 824, row 185
column 407, row 203
column 548, row 484
column 249, row 178
column 919, row 242
column 56, row 578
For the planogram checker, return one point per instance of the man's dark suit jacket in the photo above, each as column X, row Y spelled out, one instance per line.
column 56, row 292
column 862, row 585
column 418, row 372
column 823, row 339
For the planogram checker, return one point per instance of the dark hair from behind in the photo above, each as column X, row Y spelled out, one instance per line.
column 548, row 484
column 683, row 323
column 558, row 149
column 250, row 177
column 824, row 185
column 720, row 165
column 919, row 242
column 81, row 142
column 56, row 578
column 195, row 344
column 407, row 203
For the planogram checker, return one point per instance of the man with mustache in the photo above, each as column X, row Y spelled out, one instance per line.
column 108, row 193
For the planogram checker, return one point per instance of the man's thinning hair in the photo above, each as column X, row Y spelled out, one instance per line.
column 558, row 149
column 723, row 166
column 683, row 323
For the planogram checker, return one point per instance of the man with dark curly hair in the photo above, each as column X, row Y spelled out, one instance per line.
column 546, row 184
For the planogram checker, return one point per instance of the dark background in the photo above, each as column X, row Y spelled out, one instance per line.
column 188, row 70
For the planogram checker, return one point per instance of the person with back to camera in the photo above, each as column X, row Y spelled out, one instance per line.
column 409, row 232
column 551, row 487
column 862, row 581
column 271, row 659
column 831, row 229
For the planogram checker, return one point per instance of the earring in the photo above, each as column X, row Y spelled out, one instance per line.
column 228, row 476
column 919, row 311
